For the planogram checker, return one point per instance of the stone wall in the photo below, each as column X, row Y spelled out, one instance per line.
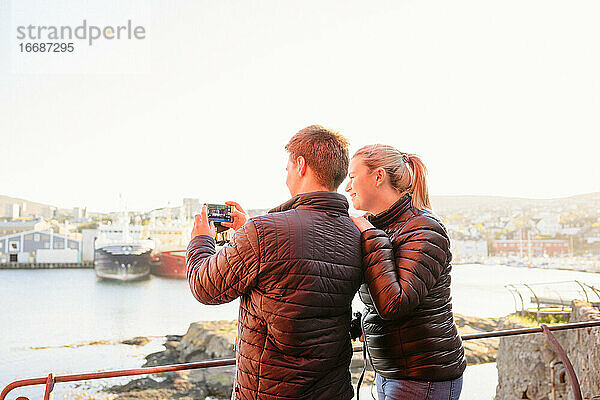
column 525, row 362
column 583, row 349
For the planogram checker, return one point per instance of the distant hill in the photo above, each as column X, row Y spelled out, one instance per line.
column 440, row 204
column 31, row 207
column 458, row 203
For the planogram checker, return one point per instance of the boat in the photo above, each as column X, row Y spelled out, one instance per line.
column 170, row 264
column 119, row 255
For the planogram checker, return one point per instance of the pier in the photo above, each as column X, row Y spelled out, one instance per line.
column 551, row 298
column 16, row 265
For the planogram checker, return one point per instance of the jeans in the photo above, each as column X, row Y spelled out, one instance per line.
column 401, row 389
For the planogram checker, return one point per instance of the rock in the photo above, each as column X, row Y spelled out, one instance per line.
column 215, row 340
column 169, row 356
column 208, row 340
column 94, row 343
column 479, row 351
column 151, row 394
column 136, row 384
column 166, row 357
column 203, row 341
column 467, row 324
column 137, row 341
column 171, row 345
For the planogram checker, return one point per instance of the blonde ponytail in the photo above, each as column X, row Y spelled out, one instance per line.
column 418, row 187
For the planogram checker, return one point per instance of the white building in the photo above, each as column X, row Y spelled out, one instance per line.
column 549, row 223
column 191, row 207
column 88, row 237
column 468, row 250
column 79, row 213
column 13, row 211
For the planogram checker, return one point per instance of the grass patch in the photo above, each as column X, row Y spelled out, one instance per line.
column 530, row 320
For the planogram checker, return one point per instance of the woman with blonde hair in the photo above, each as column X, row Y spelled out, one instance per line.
column 408, row 327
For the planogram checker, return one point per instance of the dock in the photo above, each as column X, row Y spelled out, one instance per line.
column 16, row 265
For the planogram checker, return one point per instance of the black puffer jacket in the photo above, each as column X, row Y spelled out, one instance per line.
column 408, row 323
column 296, row 271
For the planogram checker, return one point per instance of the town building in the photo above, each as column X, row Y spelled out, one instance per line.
column 191, row 207
column 536, row 248
column 464, row 251
column 548, row 223
column 79, row 213
column 13, row 210
column 22, row 225
column 88, row 238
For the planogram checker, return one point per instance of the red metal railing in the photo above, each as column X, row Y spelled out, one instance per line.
column 50, row 380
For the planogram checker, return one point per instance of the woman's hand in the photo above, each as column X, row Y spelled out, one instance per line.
column 362, row 223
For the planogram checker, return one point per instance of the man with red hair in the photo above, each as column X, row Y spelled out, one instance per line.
column 296, row 271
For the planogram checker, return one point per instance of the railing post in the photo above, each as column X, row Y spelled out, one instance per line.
column 49, row 387
column 567, row 363
column 537, row 315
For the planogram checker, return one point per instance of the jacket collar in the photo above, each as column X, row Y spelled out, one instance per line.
column 385, row 218
column 324, row 201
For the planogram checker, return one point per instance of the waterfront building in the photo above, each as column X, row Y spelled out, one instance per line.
column 468, row 251
column 40, row 247
column 535, row 248
column 88, row 237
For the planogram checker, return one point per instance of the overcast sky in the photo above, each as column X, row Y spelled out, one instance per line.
column 499, row 98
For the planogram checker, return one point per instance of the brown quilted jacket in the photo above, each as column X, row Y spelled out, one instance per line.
column 296, row 271
column 408, row 324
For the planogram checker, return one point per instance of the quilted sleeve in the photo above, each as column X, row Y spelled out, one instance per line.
column 399, row 275
column 217, row 278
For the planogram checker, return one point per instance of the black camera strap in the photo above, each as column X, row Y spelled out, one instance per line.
column 362, row 374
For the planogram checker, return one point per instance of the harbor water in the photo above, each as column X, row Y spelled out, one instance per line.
column 69, row 321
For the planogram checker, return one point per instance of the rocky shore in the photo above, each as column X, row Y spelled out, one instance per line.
column 215, row 340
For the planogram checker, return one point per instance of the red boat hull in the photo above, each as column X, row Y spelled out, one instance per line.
column 170, row 264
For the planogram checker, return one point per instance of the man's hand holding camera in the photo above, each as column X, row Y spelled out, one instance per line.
column 238, row 216
column 202, row 226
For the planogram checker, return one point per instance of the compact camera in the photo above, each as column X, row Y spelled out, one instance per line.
column 219, row 212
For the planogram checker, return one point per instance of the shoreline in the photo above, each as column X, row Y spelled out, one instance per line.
column 90, row 265
column 528, row 266
column 16, row 265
